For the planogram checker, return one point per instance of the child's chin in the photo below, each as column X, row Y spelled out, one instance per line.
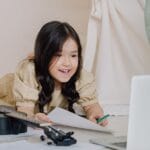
column 65, row 81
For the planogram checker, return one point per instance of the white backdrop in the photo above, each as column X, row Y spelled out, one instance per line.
column 117, row 47
column 20, row 20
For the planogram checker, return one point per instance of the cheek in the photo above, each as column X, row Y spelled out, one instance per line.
column 52, row 71
column 51, row 68
column 53, row 64
column 75, row 63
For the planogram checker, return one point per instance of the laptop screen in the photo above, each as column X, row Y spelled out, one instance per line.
column 139, row 119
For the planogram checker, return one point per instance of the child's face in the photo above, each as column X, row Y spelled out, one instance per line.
column 64, row 64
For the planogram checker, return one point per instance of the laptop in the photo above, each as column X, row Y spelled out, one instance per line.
column 139, row 118
column 138, row 136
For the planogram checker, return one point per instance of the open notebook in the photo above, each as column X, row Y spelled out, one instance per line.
column 63, row 117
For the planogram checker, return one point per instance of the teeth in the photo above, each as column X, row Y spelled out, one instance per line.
column 65, row 70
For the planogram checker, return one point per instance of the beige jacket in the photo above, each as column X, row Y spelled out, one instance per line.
column 6, row 94
column 25, row 89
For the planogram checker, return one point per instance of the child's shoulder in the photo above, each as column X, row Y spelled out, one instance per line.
column 25, row 65
column 85, row 78
column 25, row 68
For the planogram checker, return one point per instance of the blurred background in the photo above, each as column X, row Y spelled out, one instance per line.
column 113, row 35
column 22, row 19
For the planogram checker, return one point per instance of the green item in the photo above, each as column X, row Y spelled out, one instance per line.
column 102, row 118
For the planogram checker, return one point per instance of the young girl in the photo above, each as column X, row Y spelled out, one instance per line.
column 54, row 76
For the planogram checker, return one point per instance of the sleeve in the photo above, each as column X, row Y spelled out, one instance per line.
column 25, row 88
column 87, row 89
column 6, row 96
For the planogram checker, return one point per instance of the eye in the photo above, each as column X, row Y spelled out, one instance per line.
column 74, row 55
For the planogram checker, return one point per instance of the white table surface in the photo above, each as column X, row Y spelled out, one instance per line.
column 31, row 139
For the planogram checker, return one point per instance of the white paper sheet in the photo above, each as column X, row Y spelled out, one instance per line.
column 63, row 117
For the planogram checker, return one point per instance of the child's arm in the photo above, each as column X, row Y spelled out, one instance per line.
column 93, row 112
column 29, row 110
column 25, row 91
column 86, row 87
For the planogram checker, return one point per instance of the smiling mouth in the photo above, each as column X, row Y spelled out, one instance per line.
column 65, row 71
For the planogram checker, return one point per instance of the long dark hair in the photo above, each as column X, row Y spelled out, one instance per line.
column 49, row 41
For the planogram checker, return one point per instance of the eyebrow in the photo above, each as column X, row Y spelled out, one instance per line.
column 74, row 51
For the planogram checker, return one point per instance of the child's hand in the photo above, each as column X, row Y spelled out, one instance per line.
column 29, row 111
column 93, row 112
column 42, row 117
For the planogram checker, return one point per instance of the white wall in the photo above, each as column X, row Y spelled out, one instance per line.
column 20, row 20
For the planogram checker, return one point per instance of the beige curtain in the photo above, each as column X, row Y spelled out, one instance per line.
column 147, row 18
column 117, row 47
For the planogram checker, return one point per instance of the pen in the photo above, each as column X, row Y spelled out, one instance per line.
column 102, row 118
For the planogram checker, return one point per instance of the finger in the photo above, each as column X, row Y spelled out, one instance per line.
column 91, row 118
column 104, row 123
column 42, row 117
column 47, row 120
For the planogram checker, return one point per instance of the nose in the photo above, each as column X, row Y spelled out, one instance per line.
column 66, row 61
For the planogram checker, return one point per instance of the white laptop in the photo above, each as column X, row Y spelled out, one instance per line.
column 139, row 119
